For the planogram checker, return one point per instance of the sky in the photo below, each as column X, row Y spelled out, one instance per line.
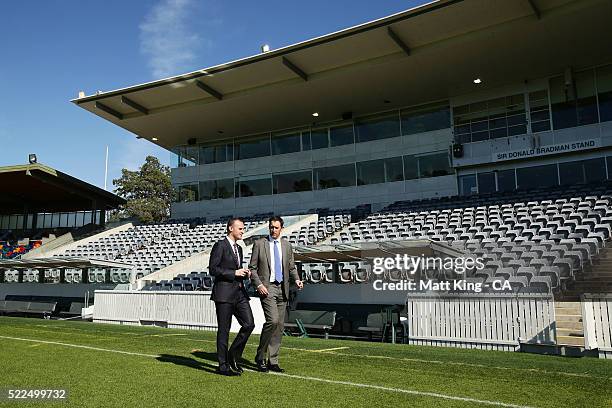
column 52, row 49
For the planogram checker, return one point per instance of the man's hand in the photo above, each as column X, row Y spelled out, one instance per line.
column 299, row 284
column 262, row 290
column 242, row 272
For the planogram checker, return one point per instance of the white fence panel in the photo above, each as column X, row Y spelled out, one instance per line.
column 184, row 310
column 485, row 321
column 596, row 314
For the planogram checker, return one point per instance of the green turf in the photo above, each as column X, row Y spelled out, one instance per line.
column 179, row 371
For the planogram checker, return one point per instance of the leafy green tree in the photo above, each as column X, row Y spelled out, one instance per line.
column 148, row 192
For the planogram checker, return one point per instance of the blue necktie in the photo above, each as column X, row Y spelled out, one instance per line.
column 278, row 268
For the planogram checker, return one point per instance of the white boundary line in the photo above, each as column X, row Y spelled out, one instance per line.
column 323, row 380
column 404, row 391
column 332, row 352
column 57, row 343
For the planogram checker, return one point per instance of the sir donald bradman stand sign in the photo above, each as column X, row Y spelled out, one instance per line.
column 546, row 150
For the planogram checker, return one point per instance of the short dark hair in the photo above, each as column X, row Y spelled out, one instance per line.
column 230, row 222
column 276, row 218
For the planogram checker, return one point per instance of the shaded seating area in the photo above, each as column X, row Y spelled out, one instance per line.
column 308, row 321
column 21, row 308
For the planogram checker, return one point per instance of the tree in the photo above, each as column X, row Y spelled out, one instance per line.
column 148, row 192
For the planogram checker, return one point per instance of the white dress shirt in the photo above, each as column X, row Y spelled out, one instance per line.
column 234, row 245
column 280, row 252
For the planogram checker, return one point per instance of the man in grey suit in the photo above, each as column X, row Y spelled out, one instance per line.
column 272, row 269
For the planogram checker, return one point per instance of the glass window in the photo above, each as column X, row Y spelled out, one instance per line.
column 574, row 104
column 539, row 111
column 187, row 156
column 571, row 173
column 13, row 222
column 584, row 171
column 370, row 172
column 609, row 163
column 506, row 180
column 586, row 102
column 411, row 167
column 30, row 221
column 394, row 170
column 63, row 220
column 286, row 143
column 187, row 193
column 87, row 217
column 40, row 219
column 336, row 176
column 72, row 219
column 216, row 153
column 537, row 176
column 486, row 182
column 213, row 189
column 224, row 188
column 341, row 135
column 56, row 220
column 491, row 119
column 79, row 220
column 306, row 140
column 319, row 138
column 377, row 128
column 255, row 186
column 604, row 89
column 594, row 170
column 434, row 165
column 258, row 146
column 425, row 119
column 292, row 182
column 467, row 185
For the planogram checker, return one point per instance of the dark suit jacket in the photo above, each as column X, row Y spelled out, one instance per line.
column 222, row 266
column 260, row 264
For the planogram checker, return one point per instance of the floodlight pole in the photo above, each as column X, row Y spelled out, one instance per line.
column 106, row 169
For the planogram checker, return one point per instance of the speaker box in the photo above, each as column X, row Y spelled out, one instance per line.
column 347, row 115
column 457, row 150
column 191, row 141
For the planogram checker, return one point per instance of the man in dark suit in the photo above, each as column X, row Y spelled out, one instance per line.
column 272, row 269
column 231, row 298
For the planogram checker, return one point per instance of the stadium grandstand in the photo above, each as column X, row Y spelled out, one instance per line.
column 44, row 209
column 457, row 128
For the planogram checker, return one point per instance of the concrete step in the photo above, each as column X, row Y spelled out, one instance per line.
column 565, row 332
column 567, row 319
column 570, row 325
column 570, row 340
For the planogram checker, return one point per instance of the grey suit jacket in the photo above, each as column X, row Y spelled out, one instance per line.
column 260, row 264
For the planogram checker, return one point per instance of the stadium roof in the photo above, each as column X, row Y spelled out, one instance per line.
column 61, row 262
column 431, row 52
column 39, row 188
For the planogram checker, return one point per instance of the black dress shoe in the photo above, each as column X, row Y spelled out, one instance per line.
column 228, row 373
column 234, row 366
column 261, row 366
column 275, row 368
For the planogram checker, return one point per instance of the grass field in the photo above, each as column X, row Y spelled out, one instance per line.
column 121, row 366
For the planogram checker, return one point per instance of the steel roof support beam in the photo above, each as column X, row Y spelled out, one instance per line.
column 296, row 70
column 109, row 110
column 134, row 105
column 209, row 90
column 535, row 9
column 398, row 40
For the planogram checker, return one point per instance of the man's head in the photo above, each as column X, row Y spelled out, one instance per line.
column 235, row 228
column 275, row 224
